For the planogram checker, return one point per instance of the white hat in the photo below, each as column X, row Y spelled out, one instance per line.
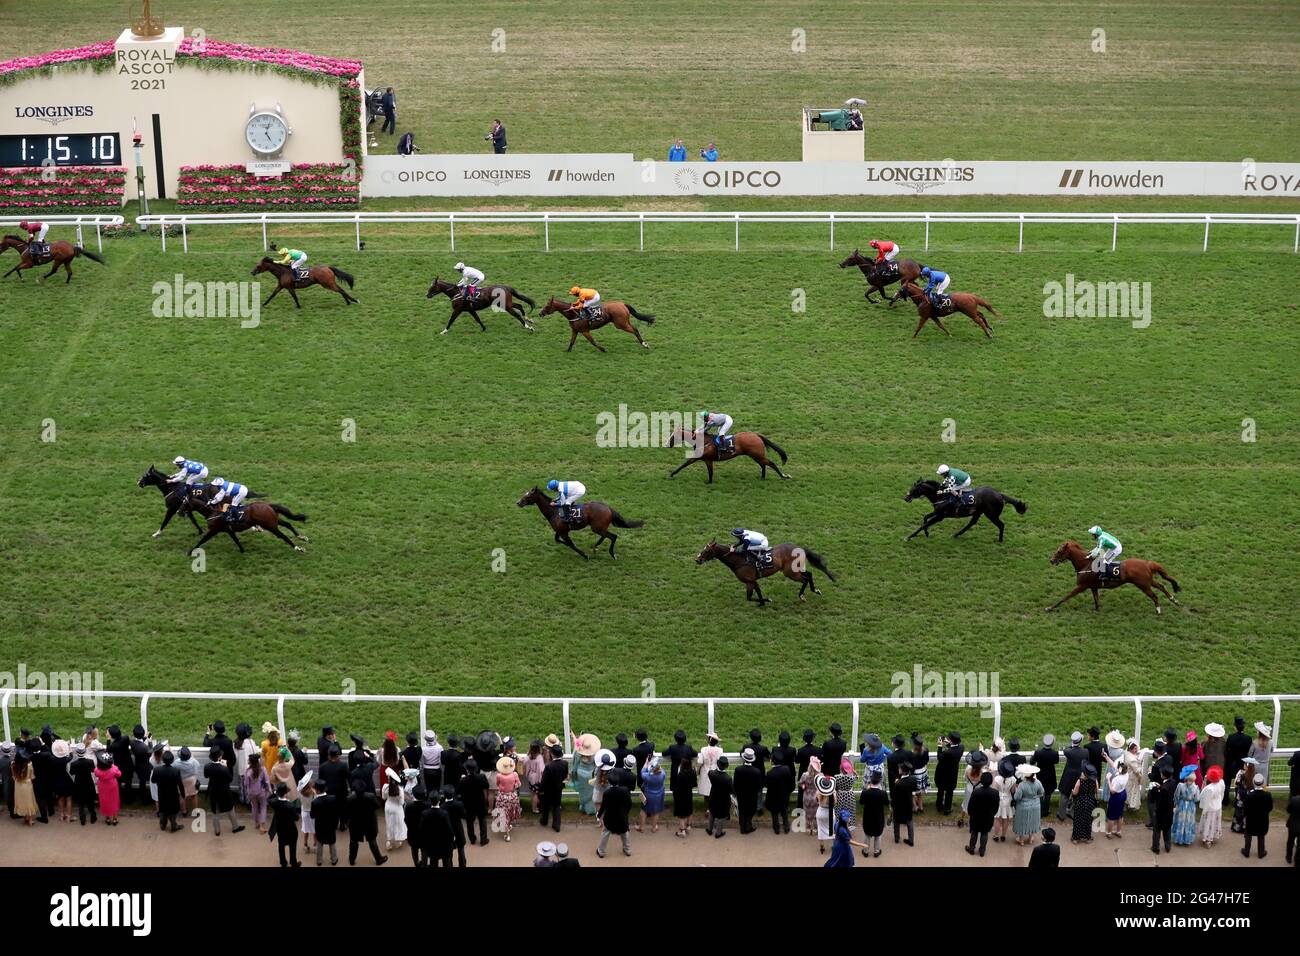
column 604, row 759
column 747, row 755
column 941, row 470
column 459, row 266
column 431, row 736
column 1214, row 730
column 629, row 762
column 306, row 779
column 392, row 775
column 267, row 726
column 1025, row 769
column 1095, row 529
column 1263, row 729
column 546, row 848
column 1115, row 739
column 178, row 460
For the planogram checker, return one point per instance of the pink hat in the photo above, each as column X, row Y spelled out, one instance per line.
column 846, row 765
column 815, row 763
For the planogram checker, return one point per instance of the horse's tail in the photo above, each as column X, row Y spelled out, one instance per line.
column 621, row 522
column 1016, row 503
column 92, row 256
column 648, row 319
column 774, row 446
column 1158, row 569
column 282, row 510
column 346, row 277
column 521, row 297
column 984, row 305
column 816, row 561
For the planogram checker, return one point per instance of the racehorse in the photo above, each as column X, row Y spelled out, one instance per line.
column 790, row 559
column 1133, row 571
column 987, row 502
column 595, row 515
column 500, row 298
column 322, row 276
column 619, row 313
column 178, row 496
column 967, row 303
column 60, row 253
column 906, row 269
column 259, row 515
column 745, row 443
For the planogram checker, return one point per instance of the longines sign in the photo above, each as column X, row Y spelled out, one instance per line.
column 619, row 174
column 52, row 114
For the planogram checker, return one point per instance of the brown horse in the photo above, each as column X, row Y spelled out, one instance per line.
column 789, row 559
column 620, row 314
column 1141, row 574
column 746, row 443
column 595, row 515
column 285, row 280
column 498, row 298
column 906, row 269
column 967, row 303
column 256, row 516
column 60, row 253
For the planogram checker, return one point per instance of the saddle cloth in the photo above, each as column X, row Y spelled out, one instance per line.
column 762, row 560
column 728, row 444
column 942, row 304
column 1110, row 574
column 570, row 514
column 887, row 270
column 301, row 275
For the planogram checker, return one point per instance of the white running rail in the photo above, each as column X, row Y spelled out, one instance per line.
column 80, row 221
column 183, row 221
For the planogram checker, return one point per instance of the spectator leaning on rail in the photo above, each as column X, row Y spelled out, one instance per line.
column 677, row 153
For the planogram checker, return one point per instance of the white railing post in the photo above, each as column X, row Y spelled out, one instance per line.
column 568, row 728
column 1296, row 245
column 856, row 713
column 546, row 229
column 1277, row 721
column 99, row 237
column 279, row 716
column 424, row 718
column 264, row 244
column 641, row 222
column 358, row 222
column 185, row 237
column 1137, row 720
column 144, row 712
column 4, row 712
column 1020, row 243
column 997, row 717
column 709, row 724
column 832, row 215
column 80, row 241
column 1114, row 232
column 737, row 232
column 162, row 231
column 927, row 232
column 1205, row 243
column 451, row 224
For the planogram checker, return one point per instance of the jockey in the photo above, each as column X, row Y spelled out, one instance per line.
column 587, row 299
column 885, row 251
column 228, row 489
column 937, row 282
column 567, row 494
column 1108, row 547
column 295, row 258
column 35, row 236
column 470, row 278
column 719, row 421
column 191, row 472
column 952, row 482
column 750, row 542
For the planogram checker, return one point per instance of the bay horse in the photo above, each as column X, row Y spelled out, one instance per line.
column 789, row 559
column 177, row 496
column 499, row 298
column 60, row 253
column 967, row 303
column 1133, row 571
column 620, row 314
column 259, row 515
column 908, row 270
column 751, row 444
column 285, row 280
column 595, row 515
column 989, row 503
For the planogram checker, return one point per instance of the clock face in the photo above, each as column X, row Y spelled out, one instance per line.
column 266, row 133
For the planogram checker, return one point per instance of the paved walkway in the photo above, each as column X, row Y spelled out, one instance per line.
column 137, row 841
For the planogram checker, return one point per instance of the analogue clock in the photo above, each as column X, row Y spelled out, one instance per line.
column 266, row 132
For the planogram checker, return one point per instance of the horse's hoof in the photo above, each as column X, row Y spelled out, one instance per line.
column 443, row 332
column 296, row 548
column 1157, row 608
column 156, row 534
column 645, row 345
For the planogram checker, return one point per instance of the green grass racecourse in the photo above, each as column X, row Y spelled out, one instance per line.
column 1016, row 79
column 1088, row 420
column 1085, row 419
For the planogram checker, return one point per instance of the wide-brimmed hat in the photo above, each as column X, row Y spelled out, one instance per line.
column 1187, row 771
column 60, row 748
column 1115, row 739
column 977, row 758
column 605, row 759
column 506, row 765
column 1026, row 770
column 825, row 785
column 1263, row 729
column 551, row 741
column 546, row 848
column 873, row 741
column 1214, row 730
column 488, row 740
column 1006, row 768
column 587, row 745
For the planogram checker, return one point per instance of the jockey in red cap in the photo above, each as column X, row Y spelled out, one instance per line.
column 885, row 250
column 35, row 236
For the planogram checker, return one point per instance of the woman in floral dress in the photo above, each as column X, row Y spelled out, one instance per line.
column 1186, row 800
